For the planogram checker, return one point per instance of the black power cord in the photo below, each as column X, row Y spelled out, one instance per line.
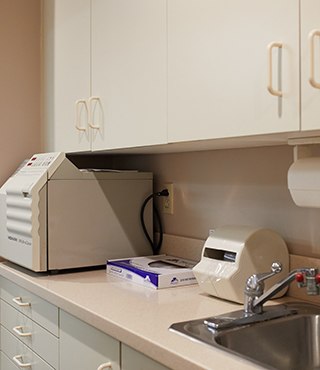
column 155, row 246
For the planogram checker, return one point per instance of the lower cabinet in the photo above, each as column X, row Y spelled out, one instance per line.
column 19, row 354
column 83, row 347
column 31, row 334
column 29, row 330
column 133, row 360
column 36, row 335
column 5, row 363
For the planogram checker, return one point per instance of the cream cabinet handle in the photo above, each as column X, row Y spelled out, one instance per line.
column 312, row 79
column 91, row 115
column 78, row 104
column 18, row 330
column 107, row 365
column 17, row 359
column 18, row 301
column 271, row 46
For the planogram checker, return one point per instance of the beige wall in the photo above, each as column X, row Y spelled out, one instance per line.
column 238, row 186
column 19, row 82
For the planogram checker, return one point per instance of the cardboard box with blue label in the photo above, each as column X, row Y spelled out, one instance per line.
column 154, row 271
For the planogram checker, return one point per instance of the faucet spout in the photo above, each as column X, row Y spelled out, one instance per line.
column 276, row 288
column 255, row 297
column 306, row 277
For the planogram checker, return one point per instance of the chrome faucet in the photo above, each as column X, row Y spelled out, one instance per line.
column 254, row 293
column 255, row 297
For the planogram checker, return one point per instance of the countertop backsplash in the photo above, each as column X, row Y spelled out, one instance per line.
column 246, row 186
column 191, row 249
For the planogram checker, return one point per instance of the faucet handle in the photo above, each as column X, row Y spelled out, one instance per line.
column 255, row 283
column 309, row 278
column 254, row 287
column 276, row 267
column 300, row 279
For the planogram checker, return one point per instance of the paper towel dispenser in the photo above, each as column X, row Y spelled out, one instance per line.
column 304, row 173
column 232, row 253
column 304, row 182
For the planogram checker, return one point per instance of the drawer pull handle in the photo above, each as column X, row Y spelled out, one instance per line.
column 107, row 365
column 17, row 359
column 271, row 90
column 91, row 101
column 18, row 330
column 78, row 104
column 312, row 79
column 18, row 301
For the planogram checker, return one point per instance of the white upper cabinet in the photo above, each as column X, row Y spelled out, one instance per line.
column 129, row 73
column 105, row 74
column 228, row 62
column 66, row 32
column 310, row 64
column 124, row 73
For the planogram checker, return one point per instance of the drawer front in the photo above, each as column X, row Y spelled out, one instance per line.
column 133, row 360
column 6, row 363
column 20, row 353
column 36, row 308
column 33, row 335
column 83, row 347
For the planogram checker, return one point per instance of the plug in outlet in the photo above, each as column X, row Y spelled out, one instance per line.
column 167, row 205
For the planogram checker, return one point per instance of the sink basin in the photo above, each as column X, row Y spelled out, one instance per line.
column 288, row 343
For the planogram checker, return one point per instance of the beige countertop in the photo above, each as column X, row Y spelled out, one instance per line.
column 135, row 315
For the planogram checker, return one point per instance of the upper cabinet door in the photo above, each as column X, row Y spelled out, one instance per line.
column 228, row 62
column 310, row 64
column 66, row 74
column 129, row 75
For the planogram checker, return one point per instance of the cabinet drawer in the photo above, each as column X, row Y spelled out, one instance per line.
column 40, row 340
column 133, row 360
column 36, row 308
column 14, row 349
column 6, row 363
column 83, row 347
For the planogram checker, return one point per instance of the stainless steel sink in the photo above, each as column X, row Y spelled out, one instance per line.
column 288, row 343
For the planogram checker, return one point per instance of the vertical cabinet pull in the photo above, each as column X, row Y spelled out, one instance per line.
column 19, row 331
column 107, row 365
column 271, row 90
column 93, row 101
column 79, row 104
column 18, row 360
column 18, row 301
column 312, row 79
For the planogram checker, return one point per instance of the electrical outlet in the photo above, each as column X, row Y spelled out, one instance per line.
column 167, row 205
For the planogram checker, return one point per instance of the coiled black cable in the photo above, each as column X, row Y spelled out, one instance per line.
column 154, row 245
